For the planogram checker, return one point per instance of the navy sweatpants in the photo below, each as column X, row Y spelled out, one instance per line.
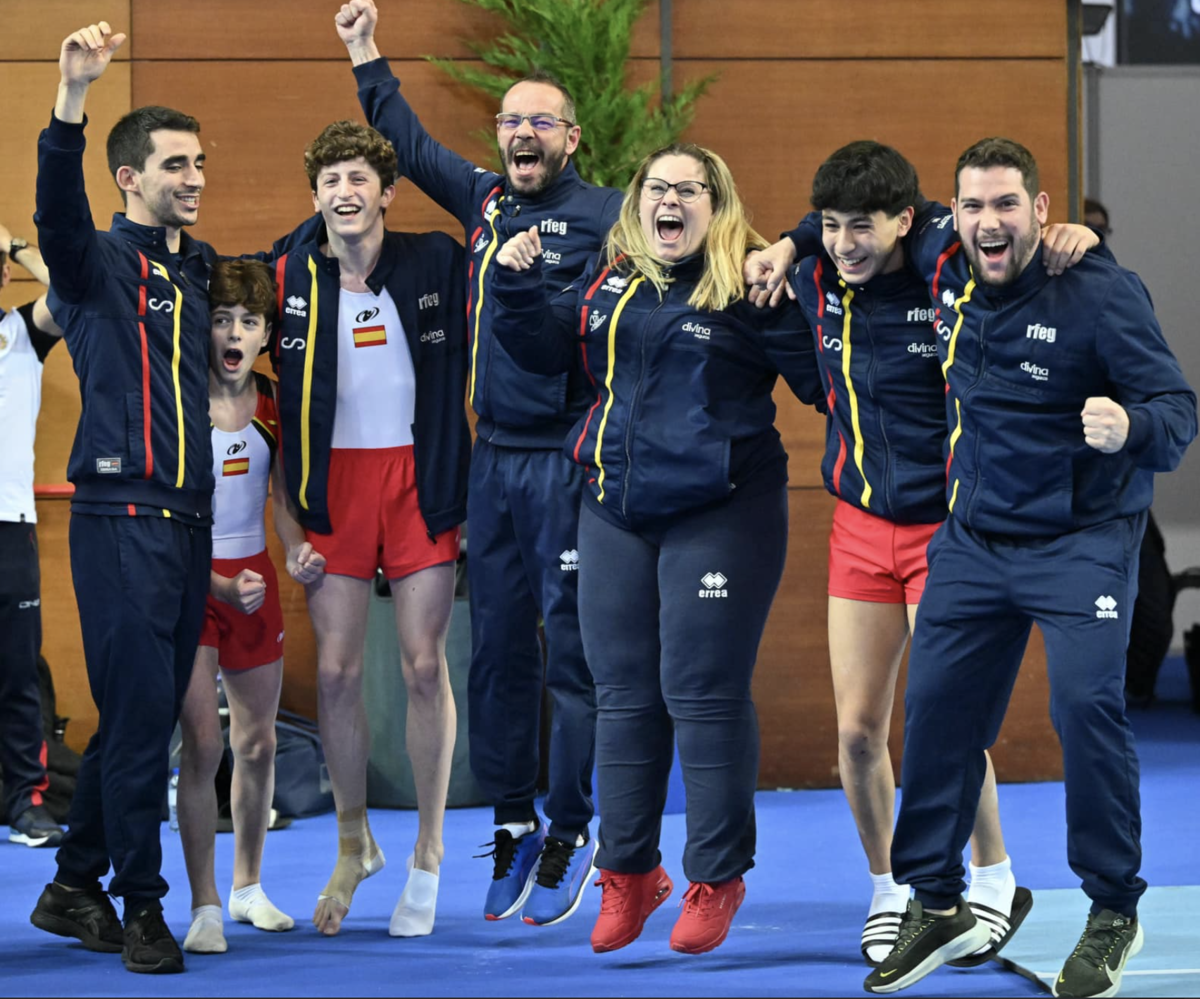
column 522, row 561
column 141, row 584
column 982, row 596
column 21, row 740
column 671, row 624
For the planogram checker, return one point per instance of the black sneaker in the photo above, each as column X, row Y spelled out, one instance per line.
column 1095, row 966
column 87, row 914
column 149, row 947
column 924, row 944
column 35, row 827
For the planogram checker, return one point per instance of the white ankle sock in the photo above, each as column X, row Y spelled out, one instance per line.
column 887, row 897
column 994, row 887
column 251, row 905
column 519, row 829
column 206, row 935
column 414, row 913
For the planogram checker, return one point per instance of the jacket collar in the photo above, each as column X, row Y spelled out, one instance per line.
column 152, row 238
column 388, row 259
column 1025, row 283
column 563, row 184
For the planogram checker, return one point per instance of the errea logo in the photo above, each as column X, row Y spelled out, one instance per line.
column 833, row 304
column 1107, row 607
column 948, row 298
column 296, row 306
column 569, row 560
column 616, row 284
column 714, row 585
column 698, row 331
column 489, row 209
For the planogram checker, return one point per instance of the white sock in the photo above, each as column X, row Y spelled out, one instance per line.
column 251, row 905
column 887, row 897
column 206, row 935
column 994, row 887
column 519, row 829
column 414, row 913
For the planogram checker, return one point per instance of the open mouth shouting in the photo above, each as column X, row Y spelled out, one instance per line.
column 232, row 359
column 525, row 161
column 669, row 228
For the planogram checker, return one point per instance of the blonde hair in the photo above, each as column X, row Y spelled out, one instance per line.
column 726, row 243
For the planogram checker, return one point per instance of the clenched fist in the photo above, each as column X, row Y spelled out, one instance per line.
column 1105, row 424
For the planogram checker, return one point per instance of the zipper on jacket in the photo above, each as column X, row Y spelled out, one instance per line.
column 633, row 404
column 975, row 444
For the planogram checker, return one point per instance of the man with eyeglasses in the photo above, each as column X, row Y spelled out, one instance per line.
column 524, row 495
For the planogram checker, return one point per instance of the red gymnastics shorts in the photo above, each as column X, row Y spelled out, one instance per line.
column 244, row 641
column 377, row 523
column 872, row 559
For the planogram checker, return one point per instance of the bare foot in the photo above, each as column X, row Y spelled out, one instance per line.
column 333, row 903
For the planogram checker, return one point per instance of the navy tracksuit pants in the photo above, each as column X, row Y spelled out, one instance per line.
column 983, row 594
column 522, row 519
column 141, row 584
column 22, row 744
column 671, row 623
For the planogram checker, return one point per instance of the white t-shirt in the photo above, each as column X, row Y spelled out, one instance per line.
column 376, row 382
column 21, row 355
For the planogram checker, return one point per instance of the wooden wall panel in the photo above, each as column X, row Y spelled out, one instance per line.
column 28, row 90
column 794, row 693
column 774, row 147
column 869, row 29
column 35, row 29
column 255, row 138
column 303, row 29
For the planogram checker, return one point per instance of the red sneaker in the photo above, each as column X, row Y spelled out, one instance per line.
column 707, row 913
column 626, row 904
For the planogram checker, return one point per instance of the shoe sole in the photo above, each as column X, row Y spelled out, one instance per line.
column 167, row 966
column 607, row 948
column 51, row 839
column 962, row 945
column 705, row 948
column 574, row 905
column 61, row 927
column 519, row 904
column 1022, row 904
column 1134, row 949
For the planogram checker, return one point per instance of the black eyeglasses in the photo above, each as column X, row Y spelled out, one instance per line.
column 688, row 190
column 547, row 122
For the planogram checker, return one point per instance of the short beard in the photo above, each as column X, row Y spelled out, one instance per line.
column 1023, row 252
column 551, row 172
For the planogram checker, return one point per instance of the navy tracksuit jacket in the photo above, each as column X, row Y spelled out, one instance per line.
column 136, row 322
column 523, row 498
column 1042, row 528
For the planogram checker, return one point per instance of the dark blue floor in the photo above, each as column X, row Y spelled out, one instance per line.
column 796, row 934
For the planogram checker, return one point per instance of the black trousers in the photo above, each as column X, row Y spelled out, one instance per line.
column 141, row 584
column 22, row 746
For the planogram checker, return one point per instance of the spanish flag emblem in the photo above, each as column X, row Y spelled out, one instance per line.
column 370, row 336
column 236, row 466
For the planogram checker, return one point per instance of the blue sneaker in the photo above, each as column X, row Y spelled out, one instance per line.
column 562, row 873
column 35, row 827
column 516, row 865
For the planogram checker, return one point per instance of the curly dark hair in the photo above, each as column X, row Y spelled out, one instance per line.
column 348, row 140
